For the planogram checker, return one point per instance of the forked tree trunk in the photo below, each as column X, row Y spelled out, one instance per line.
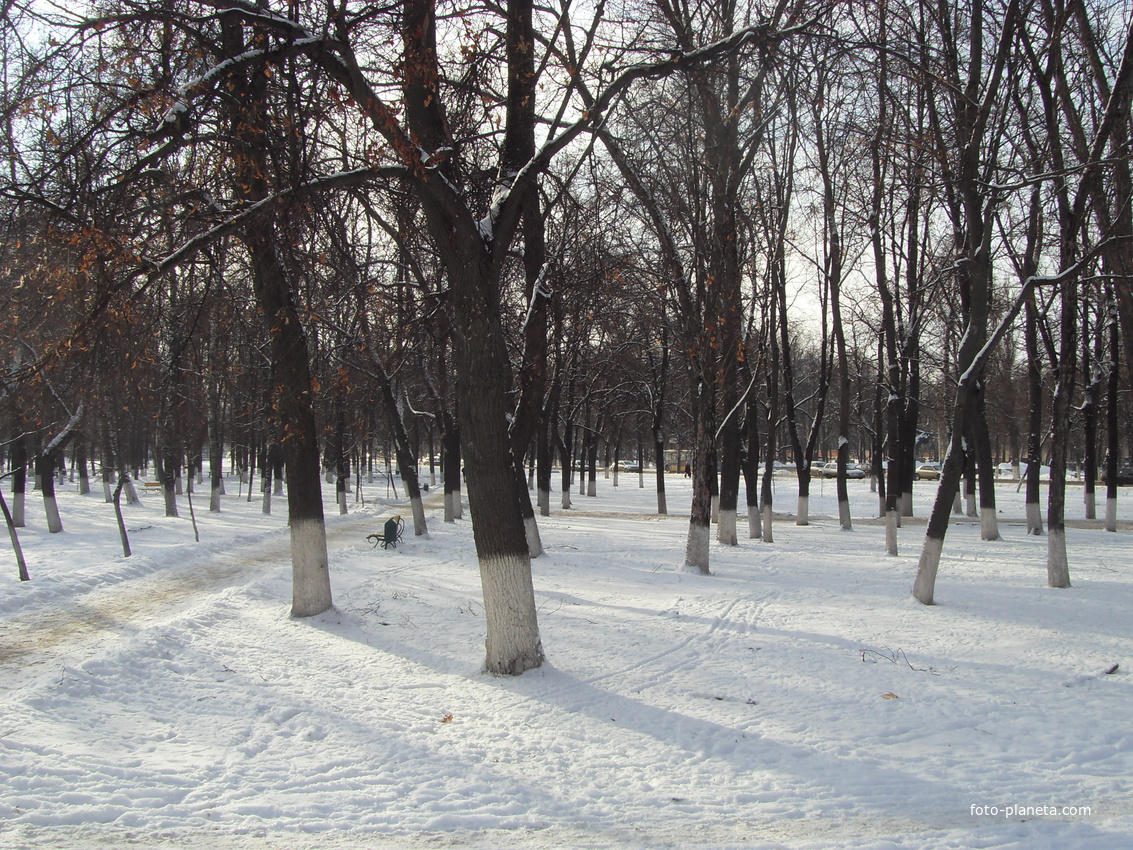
column 1057, row 565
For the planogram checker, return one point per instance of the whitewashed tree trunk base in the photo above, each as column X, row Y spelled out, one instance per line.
column 214, row 499
column 892, row 522
column 958, row 504
column 592, row 487
column 802, row 514
column 662, row 505
column 989, row 524
column 1111, row 514
column 420, row 529
column 970, row 503
column 768, row 517
column 107, row 493
column 450, row 513
column 310, row 574
column 513, row 643
column 54, row 521
column 1057, row 567
column 726, row 528
column 1091, row 505
column 266, row 504
column 844, row 519
column 905, row 503
column 566, row 499
column 544, row 499
column 1034, row 518
column 716, row 509
column 754, row 529
column 534, row 541
column 342, row 509
column 925, row 584
column 696, row 549
column 458, row 504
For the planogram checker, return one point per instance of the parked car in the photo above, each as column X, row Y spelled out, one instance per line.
column 830, row 470
column 1124, row 475
column 928, row 472
column 626, row 466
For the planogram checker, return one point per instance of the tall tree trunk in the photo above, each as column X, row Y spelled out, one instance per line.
column 81, row 463
column 1057, row 565
column 19, row 479
column 700, row 515
column 45, row 470
column 450, row 442
column 1113, row 442
column 989, row 521
column 292, row 388
column 751, row 468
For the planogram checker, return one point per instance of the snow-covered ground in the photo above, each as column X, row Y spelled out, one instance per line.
column 798, row 697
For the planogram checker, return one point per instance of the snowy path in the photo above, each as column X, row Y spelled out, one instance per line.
column 101, row 612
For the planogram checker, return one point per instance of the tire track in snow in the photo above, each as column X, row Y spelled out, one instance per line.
column 675, row 649
column 79, row 626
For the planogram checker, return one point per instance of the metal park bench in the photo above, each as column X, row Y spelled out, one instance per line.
column 391, row 533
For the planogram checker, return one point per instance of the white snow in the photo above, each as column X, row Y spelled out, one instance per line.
column 797, row 697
